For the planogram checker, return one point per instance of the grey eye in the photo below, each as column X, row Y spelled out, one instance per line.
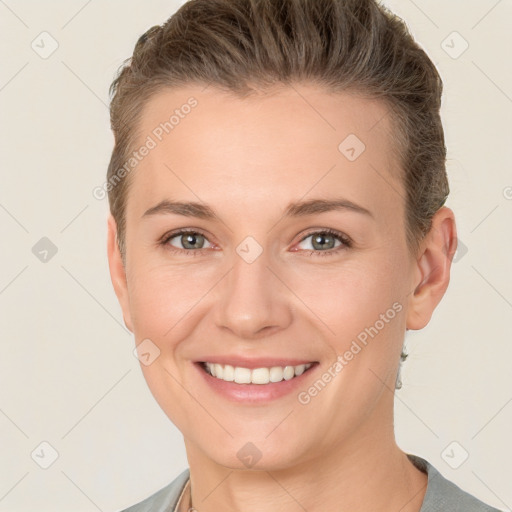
column 321, row 241
column 189, row 240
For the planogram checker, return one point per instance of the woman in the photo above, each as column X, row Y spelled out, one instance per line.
column 277, row 223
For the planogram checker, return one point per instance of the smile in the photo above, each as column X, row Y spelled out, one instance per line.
column 241, row 375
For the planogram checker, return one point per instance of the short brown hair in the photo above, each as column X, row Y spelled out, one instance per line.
column 245, row 46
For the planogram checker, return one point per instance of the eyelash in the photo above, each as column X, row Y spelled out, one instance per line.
column 345, row 240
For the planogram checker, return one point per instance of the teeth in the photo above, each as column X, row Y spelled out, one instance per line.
column 242, row 375
column 260, row 376
column 257, row 376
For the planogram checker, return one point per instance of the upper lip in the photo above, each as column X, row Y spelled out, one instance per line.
column 254, row 362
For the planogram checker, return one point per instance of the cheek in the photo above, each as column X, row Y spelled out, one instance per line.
column 354, row 292
column 360, row 308
column 149, row 305
column 161, row 297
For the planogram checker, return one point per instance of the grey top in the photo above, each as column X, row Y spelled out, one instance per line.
column 441, row 496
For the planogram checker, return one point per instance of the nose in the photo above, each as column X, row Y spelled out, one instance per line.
column 254, row 302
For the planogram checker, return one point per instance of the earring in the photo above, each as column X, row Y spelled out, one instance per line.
column 398, row 383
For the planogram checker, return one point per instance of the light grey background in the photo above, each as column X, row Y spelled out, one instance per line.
column 67, row 372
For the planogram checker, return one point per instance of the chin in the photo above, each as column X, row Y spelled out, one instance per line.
column 241, row 454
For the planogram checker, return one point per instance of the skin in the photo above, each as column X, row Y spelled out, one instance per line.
column 248, row 159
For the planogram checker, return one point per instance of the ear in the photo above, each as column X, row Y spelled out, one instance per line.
column 433, row 266
column 118, row 272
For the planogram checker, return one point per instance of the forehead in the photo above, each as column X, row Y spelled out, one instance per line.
column 208, row 145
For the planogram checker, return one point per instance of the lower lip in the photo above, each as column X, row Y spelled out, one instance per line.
column 254, row 393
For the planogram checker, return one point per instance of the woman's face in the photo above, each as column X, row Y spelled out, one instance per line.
column 257, row 279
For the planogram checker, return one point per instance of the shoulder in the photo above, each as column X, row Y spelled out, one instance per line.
column 163, row 500
column 443, row 495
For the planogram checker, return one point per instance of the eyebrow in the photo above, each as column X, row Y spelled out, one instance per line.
column 297, row 209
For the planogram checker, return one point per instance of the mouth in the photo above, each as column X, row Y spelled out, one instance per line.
column 257, row 385
column 259, row 376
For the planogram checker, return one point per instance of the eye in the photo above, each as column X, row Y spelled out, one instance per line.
column 324, row 241
column 185, row 241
